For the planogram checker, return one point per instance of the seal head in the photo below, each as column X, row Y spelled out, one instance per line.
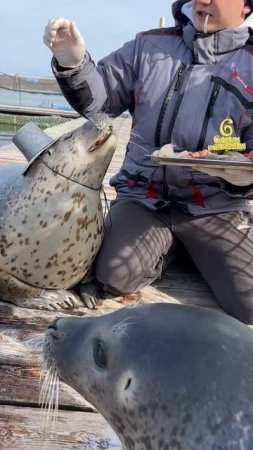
column 164, row 376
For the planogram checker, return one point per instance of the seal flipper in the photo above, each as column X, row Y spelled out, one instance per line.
column 54, row 300
column 21, row 294
column 90, row 292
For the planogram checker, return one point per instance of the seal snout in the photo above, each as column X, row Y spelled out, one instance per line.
column 54, row 338
column 104, row 136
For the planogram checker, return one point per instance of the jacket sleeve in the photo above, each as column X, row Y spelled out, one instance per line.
column 108, row 87
column 82, row 87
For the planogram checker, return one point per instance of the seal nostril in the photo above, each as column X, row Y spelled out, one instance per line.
column 54, row 334
column 128, row 383
column 53, row 325
column 53, row 330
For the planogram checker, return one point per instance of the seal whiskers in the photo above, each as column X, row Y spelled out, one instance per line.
column 49, row 399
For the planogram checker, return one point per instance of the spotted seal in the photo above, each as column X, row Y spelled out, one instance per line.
column 51, row 218
column 164, row 376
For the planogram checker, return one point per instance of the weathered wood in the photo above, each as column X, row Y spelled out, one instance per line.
column 11, row 314
column 20, row 346
column 20, row 430
column 21, row 386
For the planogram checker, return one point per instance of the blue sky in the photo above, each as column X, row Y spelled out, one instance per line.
column 105, row 25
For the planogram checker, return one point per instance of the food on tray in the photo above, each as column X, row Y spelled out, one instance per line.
column 231, row 166
column 167, row 151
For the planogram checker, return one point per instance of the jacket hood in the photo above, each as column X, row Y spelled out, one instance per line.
column 182, row 13
column 180, row 18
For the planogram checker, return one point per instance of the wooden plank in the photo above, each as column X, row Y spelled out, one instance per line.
column 20, row 429
column 21, row 385
column 20, row 346
column 15, row 315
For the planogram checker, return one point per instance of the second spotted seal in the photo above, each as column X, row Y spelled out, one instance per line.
column 164, row 376
column 51, row 218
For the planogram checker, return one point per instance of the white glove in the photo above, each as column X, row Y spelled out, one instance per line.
column 65, row 41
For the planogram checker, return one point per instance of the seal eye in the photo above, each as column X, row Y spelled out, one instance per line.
column 100, row 355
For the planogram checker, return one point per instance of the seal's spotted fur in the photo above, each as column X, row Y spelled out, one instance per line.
column 51, row 223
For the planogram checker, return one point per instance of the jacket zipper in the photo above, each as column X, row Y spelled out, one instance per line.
column 178, row 104
column 209, row 113
column 179, row 77
column 174, row 86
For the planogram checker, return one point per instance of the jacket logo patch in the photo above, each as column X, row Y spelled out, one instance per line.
column 225, row 141
column 237, row 77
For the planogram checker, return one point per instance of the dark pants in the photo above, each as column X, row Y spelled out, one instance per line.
column 139, row 242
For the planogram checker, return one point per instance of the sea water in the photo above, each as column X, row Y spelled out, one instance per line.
column 20, row 98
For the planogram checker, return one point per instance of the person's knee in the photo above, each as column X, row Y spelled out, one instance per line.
column 116, row 281
column 119, row 277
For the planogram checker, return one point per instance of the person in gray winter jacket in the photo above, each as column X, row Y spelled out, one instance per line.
column 182, row 85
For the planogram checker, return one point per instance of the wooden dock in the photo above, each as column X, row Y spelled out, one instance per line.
column 78, row 427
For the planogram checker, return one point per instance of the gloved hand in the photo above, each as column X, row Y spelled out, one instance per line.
column 65, row 41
